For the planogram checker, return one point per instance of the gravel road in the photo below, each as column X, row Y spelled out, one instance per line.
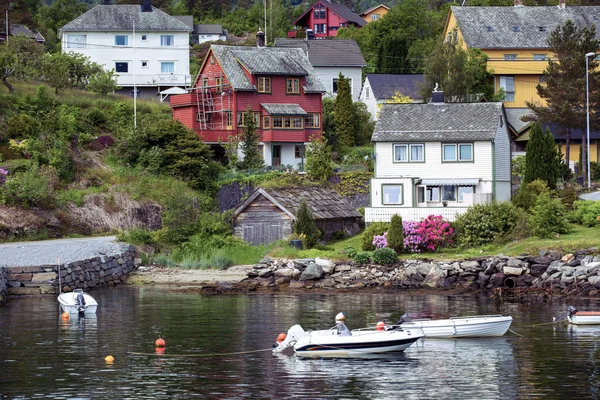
column 47, row 252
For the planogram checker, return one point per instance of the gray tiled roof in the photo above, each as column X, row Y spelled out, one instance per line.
column 385, row 86
column 208, row 29
column 121, row 17
column 437, row 122
column 284, row 109
column 519, row 27
column 325, row 203
column 513, row 115
column 266, row 61
column 328, row 52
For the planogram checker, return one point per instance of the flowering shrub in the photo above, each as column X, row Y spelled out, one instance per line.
column 413, row 242
column 436, row 232
column 380, row 241
column 3, row 174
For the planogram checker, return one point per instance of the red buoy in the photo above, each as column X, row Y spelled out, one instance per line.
column 160, row 342
column 281, row 337
column 65, row 316
column 380, row 326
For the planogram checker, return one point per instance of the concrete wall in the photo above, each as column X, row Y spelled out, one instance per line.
column 3, row 284
column 82, row 274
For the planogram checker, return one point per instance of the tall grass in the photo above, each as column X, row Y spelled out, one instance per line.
column 76, row 196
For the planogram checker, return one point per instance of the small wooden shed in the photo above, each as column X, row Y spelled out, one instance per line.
column 268, row 214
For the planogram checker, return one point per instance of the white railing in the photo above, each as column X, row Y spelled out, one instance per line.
column 384, row 214
column 155, row 80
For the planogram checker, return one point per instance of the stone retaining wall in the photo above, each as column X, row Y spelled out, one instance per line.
column 550, row 271
column 83, row 274
column 3, row 285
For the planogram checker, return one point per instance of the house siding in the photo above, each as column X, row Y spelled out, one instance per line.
column 328, row 74
column 502, row 156
column 262, row 222
column 100, row 48
column 433, row 167
column 370, row 102
column 332, row 20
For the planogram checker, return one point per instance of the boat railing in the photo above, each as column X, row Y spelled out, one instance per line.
column 478, row 316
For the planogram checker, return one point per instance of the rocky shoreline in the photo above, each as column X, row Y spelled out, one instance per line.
column 548, row 273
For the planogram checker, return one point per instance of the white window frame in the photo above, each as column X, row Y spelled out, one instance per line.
column 460, row 198
column 408, row 147
column 122, row 36
column 164, row 63
column 508, row 82
column 334, row 83
column 375, row 17
column 510, row 57
column 76, row 41
column 400, row 195
column 166, row 42
column 432, row 194
column 539, row 57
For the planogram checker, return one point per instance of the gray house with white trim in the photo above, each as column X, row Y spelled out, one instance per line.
column 439, row 158
column 329, row 58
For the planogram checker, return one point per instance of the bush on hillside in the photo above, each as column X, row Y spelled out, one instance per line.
column 395, row 236
column 362, row 258
column 26, row 189
column 528, row 194
column 485, row 223
column 384, row 256
column 585, row 212
column 548, row 217
column 375, row 228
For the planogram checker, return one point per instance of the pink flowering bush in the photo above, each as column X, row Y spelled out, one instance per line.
column 3, row 174
column 380, row 241
column 413, row 242
column 428, row 235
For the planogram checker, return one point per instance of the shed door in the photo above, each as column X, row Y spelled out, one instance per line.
column 259, row 233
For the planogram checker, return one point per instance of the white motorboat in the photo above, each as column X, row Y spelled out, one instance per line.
column 77, row 302
column 340, row 342
column 457, row 327
column 583, row 317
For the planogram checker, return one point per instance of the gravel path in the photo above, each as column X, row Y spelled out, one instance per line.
column 47, row 252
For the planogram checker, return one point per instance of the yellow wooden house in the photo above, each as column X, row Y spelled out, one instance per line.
column 515, row 41
column 375, row 13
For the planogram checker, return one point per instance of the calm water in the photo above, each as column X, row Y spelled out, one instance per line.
column 42, row 356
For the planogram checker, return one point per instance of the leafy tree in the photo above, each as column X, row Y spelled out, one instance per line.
column 81, row 69
column 55, row 71
column 548, row 217
column 363, row 125
column 50, row 19
column 344, row 113
column 461, row 74
column 319, row 165
column 329, row 130
column 397, row 98
column 103, row 82
column 542, row 161
column 252, row 157
column 305, row 224
column 563, row 89
column 395, row 236
column 19, row 59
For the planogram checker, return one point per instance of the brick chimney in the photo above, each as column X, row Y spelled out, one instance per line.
column 260, row 39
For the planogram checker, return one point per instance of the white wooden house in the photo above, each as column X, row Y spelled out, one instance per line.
column 379, row 88
column 438, row 158
column 329, row 58
column 153, row 59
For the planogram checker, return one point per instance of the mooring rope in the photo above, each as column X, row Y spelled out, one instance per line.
column 518, row 334
column 198, row 355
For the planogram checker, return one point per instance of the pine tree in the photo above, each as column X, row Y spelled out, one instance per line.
column 542, row 159
column 395, row 235
column 344, row 113
column 305, row 224
column 252, row 158
column 319, row 164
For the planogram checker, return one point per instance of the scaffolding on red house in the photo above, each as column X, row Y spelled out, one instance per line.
column 213, row 97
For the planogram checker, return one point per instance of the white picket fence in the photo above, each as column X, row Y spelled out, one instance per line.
column 384, row 214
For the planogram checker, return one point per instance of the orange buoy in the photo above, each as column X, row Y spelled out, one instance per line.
column 160, row 342
column 109, row 359
column 380, row 326
column 281, row 337
column 65, row 315
column 160, row 350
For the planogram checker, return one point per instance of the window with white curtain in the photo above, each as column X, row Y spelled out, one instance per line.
column 167, row 40
column 167, row 67
column 409, row 152
column 392, row 194
column 508, row 84
column 76, row 41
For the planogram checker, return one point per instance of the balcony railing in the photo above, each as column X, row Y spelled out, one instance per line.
column 384, row 214
column 155, row 80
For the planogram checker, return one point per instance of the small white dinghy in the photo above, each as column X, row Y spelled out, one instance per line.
column 457, row 327
column 77, row 302
column 340, row 342
column 583, row 317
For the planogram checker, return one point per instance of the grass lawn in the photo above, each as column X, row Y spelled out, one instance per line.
column 580, row 238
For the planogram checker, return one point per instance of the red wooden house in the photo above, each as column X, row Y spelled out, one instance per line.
column 325, row 17
column 279, row 85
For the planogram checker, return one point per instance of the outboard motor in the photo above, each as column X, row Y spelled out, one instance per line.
column 571, row 311
column 80, row 303
column 403, row 319
column 294, row 333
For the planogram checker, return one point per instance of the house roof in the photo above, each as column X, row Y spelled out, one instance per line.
column 18, row 29
column 519, row 27
column 328, row 53
column 434, row 122
column 186, row 19
column 108, row 17
column 373, row 9
column 513, row 116
column 265, row 61
column 339, row 9
column 208, row 29
column 325, row 203
column 385, row 86
column 284, row 109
